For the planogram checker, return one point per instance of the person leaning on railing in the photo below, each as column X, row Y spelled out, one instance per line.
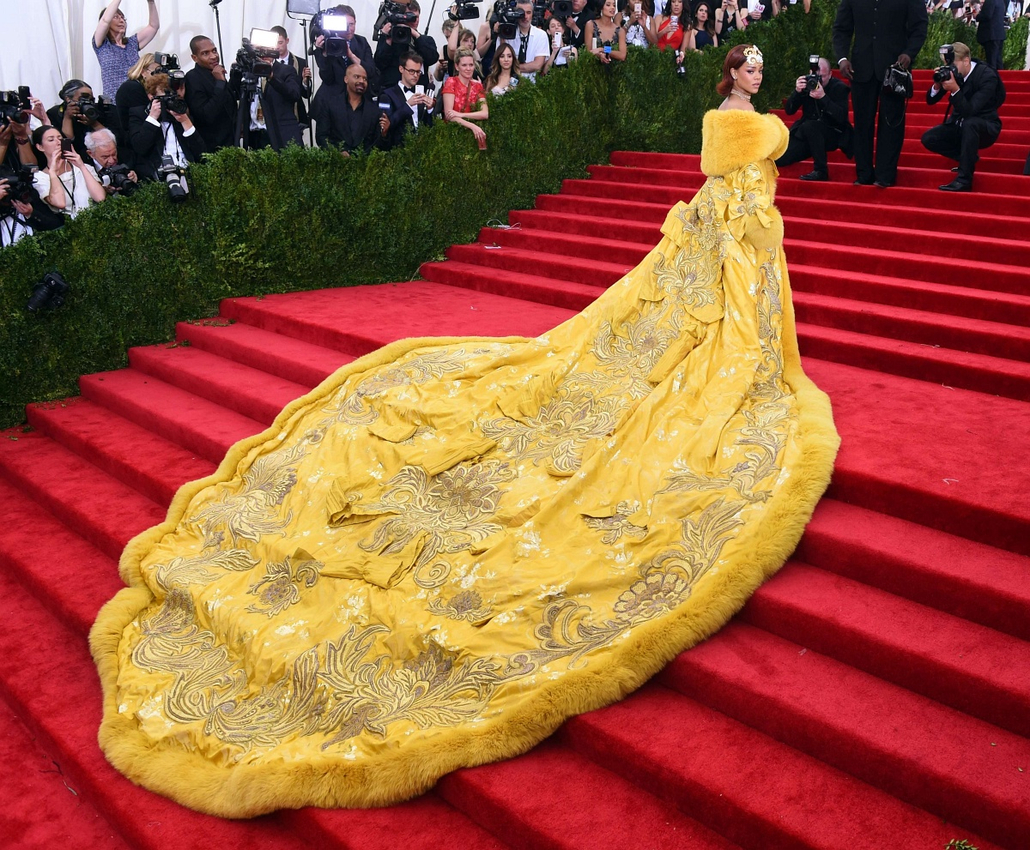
column 562, row 51
column 67, row 184
column 605, row 37
column 464, row 99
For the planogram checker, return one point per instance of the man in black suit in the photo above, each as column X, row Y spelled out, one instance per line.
column 355, row 50
column 389, row 51
column 273, row 119
column 346, row 117
column 990, row 30
column 210, row 97
column 300, row 65
column 823, row 125
column 884, row 32
column 157, row 131
column 410, row 102
column 971, row 121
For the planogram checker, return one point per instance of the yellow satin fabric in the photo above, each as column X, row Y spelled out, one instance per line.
column 450, row 546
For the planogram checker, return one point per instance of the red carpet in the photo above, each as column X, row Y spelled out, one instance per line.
column 875, row 693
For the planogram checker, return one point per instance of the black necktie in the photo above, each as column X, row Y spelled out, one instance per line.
column 523, row 47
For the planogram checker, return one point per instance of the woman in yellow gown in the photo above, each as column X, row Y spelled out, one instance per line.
column 452, row 545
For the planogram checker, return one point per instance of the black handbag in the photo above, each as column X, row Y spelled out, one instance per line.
column 898, row 80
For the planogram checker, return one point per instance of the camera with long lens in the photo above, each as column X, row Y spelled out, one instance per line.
column 400, row 20
column 49, row 292
column 172, row 102
column 464, row 10
column 506, row 16
column 14, row 107
column 812, row 78
column 168, row 63
column 947, row 69
column 253, row 59
column 19, row 188
column 90, row 109
column 117, row 178
column 174, row 177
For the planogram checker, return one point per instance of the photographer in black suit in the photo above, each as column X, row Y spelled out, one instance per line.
column 885, row 32
column 410, row 102
column 971, row 121
column 356, row 50
column 389, row 51
column 823, row 125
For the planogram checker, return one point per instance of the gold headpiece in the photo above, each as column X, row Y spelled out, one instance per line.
column 753, row 56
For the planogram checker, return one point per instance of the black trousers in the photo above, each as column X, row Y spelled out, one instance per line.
column 962, row 143
column 809, row 139
column 868, row 100
column 992, row 53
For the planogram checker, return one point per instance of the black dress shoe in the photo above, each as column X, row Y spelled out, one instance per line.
column 863, row 182
column 815, row 175
column 883, row 184
column 956, row 186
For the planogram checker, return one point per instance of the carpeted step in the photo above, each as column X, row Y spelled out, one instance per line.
column 282, row 356
column 989, row 163
column 529, row 288
column 744, row 784
column 976, row 670
column 915, row 294
column 131, row 454
column 237, row 387
column 70, row 577
column 931, row 756
column 934, row 455
column 606, row 240
column 40, row 808
column 951, row 574
column 562, row 268
column 987, row 374
column 976, row 336
column 104, row 511
column 420, row 308
column 196, row 424
column 563, row 814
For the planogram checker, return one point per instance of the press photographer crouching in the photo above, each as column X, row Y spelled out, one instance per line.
column 115, row 177
column 22, row 211
column 971, row 121
column 823, row 125
column 162, row 136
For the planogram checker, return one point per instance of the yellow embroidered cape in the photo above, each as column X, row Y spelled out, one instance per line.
column 452, row 545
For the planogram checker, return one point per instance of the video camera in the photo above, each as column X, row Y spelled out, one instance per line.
column 400, row 19
column 560, row 9
column 19, row 188
column 117, row 177
column 947, row 70
column 464, row 10
column 15, row 106
column 251, row 58
column 812, row 78
column 169, row 64
column 506, row 16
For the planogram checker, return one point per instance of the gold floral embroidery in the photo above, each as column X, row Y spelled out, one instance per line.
column 617, row 525
column 280, row 587
column 202, row 569
column 466, row 605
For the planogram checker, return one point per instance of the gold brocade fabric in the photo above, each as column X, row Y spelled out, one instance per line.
column 449, row 547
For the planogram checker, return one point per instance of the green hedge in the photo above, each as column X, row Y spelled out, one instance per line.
column 259, row 222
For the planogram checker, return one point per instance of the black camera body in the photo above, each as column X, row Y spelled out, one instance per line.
column 400, row 20
column 49, row 292
column 173, row 102
column 507, row 16
column 812, row 78
column 14, row 107
column 175, row 178
column 947, row 69
column 560, row 9
column 19, row 187
column 117, row 177
column 465, row 10
column 90, row 109
column 250, row 60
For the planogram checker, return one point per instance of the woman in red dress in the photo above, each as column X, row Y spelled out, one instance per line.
column 464, row 99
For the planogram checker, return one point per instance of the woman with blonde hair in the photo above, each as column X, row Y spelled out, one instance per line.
column 464, row 98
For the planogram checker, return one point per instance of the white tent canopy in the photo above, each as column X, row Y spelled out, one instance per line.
column 43, row 43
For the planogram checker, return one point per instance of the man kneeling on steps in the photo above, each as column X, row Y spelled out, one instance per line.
column 823, row 125
column 971, row 120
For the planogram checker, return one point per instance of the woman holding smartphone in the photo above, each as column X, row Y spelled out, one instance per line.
column 561, row 53
column 669, row 32
column 67, row 184
column 636, row 20
column 605, row 36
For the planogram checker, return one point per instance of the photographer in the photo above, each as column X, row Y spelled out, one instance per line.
column 971, row 121
column 15, row 138
column 22, row 211
column 67, row 184
column 356, row 50
column 210, row 97
column 103, row 151
column 160, row 126
column 529, row 42
column 80, row 113
column 823, row 125
column 390, row 50
column 348, row 118
column 299, row 65
column 272, row 121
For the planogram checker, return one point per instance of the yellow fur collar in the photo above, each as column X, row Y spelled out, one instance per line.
column 733, row 137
